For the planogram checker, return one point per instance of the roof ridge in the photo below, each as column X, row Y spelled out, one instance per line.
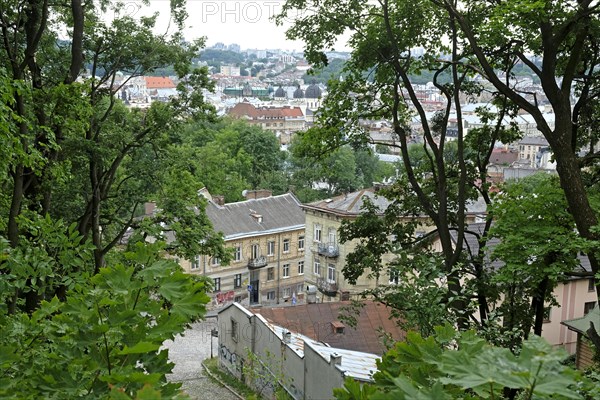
column 358, row 197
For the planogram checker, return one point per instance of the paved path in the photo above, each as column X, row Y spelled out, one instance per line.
column 188, row 352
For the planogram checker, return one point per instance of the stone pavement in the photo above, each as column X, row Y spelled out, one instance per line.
column 188, row 352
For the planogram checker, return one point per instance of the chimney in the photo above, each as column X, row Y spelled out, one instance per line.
column 219, row 199
column 257, row 194
column 287, row 336
column 335, row 359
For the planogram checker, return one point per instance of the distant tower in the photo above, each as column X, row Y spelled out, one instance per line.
column 247, row 90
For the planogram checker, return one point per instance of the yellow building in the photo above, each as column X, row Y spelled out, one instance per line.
column 266, row 235
column 325, row 256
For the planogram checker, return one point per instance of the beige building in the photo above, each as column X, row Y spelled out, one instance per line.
column 326, row 257
column 283, row 119
column 529, row 147
column 266, row 235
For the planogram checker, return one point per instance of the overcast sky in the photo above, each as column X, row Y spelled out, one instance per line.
column 245, row 22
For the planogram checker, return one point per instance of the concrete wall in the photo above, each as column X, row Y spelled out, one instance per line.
column 304, row 374
column 321, row 376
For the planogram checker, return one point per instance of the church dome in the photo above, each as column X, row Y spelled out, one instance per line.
column 313, row 92
column 298, row 93
column 280, row 92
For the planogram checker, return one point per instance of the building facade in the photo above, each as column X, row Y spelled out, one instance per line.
column 266, row 236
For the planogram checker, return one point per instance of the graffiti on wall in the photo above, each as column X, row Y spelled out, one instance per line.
column 230, row 360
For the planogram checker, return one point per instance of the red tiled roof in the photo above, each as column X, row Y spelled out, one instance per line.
column 159, row 82
column 318, row 321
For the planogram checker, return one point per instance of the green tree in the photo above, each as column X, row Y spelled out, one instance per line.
column 538, row 245
column 231, row 156
column 464, row 366
column 80, row 319
column 104, row 340
column 460, row 42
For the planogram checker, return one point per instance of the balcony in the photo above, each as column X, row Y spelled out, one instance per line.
column 257, row 262
column 328, row 250
column 326, row 287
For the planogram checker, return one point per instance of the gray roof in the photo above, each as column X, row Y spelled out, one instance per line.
column 351, row 203
column 534, row 141
column 313, row 92
column 234, row 220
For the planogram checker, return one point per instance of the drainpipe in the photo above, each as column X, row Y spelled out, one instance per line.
column 278, row 262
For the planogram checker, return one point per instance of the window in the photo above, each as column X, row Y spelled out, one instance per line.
column 196, row 263
column 234, row 330
column 217, row 284
column 237, row 253
column 393, row 276
column 317, row 267
column 300, row 267
column 271, row 295
column 237, row 281
column 270, row 248
column 286, row 270
column 300, row 288
column 592, row 285
column 300, row 242
column 331, row 273
column 215, row 261
column 270, row 273
column 332, row 236
column 589, row 306
column 547, row 314
column 286, row 245
column 255, row 251
column 317, row 233
column 287, row 292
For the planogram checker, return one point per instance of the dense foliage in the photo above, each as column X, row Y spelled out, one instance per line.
column 85, row 302
column 450, row 366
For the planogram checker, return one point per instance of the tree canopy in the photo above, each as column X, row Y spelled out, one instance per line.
column 470, row 49
column 78, row 317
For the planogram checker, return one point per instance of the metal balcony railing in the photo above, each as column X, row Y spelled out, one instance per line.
column 328, row 250
column 257, row 262
column 327, row 287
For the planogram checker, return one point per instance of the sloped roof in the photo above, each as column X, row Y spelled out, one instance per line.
column 581, row 325
column 236, row 220
column 534, row 141
column 315, row 322
column 351, row 203
column 355, row 364
column 159, row 82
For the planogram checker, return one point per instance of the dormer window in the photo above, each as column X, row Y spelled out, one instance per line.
column 338, row 327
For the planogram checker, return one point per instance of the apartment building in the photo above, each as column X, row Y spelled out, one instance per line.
column 266, row 235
